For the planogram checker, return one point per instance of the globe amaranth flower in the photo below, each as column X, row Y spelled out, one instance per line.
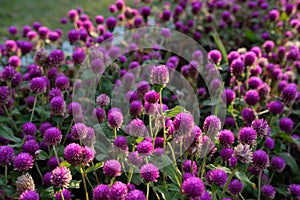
column 237, row 67
column 134, row 158
column 136, row 108
column 275, row 107
column 57, row 106
column 152, row 96
column 160, row 75
column 38, row 85
column 121, row 143
column 29, row 195
column 72, row 154
column 55, row 92
column 118, row 191
column 52, row 162
column 211, row 126
column 41, row 57
column 294, row 190
column 226, row 153
column 8, row 73
column 90, row 138
column 78, row 131
column 235, row 187
column 136, row 195
column 249, row 58
column 23, row 162
column 137, row 128
column 62, row 82
column 6, row 155
column 101, row 192
column 115, row 118
column 261, row 127
column 289, row 94
column 251, row 97
column 215, row 56
column 226, row 137
column 61, row 177
column 112, row 168
column 248, row 115
column 193, row 187
column 243, row 153
column 74, row 109
column 149, row 173
column 254, row 82
column 56, row 58
column 207, row 196
column 247, row 135
column 277, row 164
column 228, row 96
column 30, row 146
column 217, row 177
column 189, row 167
column 260, row 159
column 100, row 114
column 66, row 194
column 145, row 147
column 78, row 57
column 52, row 136
column 4, row 94
column 87, row 155
column 268, row 192
column 286, row 124
column 25, row 182
column 269, row 143
column 183, row 123
column 103, row 100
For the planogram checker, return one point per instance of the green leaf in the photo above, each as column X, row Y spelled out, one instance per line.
column 74, row 184
column 65, row 164
column 163, row 191
column 220, row 44
column 138, row 140
column 94, row 168
column 290, row 161
column 285, row 136
column 8, row 134
column 4, row 119
column 42, row 155
column 174, row 111
column 252, row 36
column 46, row 193
column 158, row 88
column 243, row 177
column 225, row 169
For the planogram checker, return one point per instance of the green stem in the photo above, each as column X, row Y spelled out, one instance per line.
column 84, row 184
column 227, row 184
column 88, row 180
column 5, row 176
column 147, row 195
column 95, row 174
column 150, row 127
column 241, row 196
column 130, row 174
column 34, row 104
column 203, row 167
column 11, row 119
column 115, row 133
column 62, row 196
column 259, row 185
column 56, row 156
column 271, row 177
column 38, row 169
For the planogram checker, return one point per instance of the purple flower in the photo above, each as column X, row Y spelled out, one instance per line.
column 46, row 180
column 188, row 168
column 57, row 106
column 278, row 164
column 111, row 23
column 286, row 124
column 99, row 113
column 121, row 142
column 249, row 58
column 294, row 190
column 136, row 195
column 261, row 127
column 112, row 168
column 251, row 97
column 137, row 128
column 228, row 96
column 183, row 123
column 260, row 159
column 247, row 135
column 211, row 126
column 145, row 147
column 61, row 177
column 118, row 191
column 136, row 108
column 268, row 192
column 289, row 94
column 74, row 109
column 73, row 36
column 103, row 100
column 152, row 96
column 56, row 58
column 193, row 187
column 215, row 56
column 90, row 138
column 4, row 94
column 52, row 162
column 29, row 195
column 38, row 85
column 52, row 136
column 217, row 177
column 55, row 92
column 30, row 146
column 268, row 46
column 101, row 192
column 115, row 118
column 226, row 153
column 8, row 73
column 254, row 82
column 248, row 115
column 275, row 107
column 243, row 153
column 78, row 57
column 6, row 155
column 23, row 162
column 237, row 67
column 235, row 187
column 72, row 154
column 149, row 173
column 66, row 194
column 269, row 143
column 134, row 158
column 78, row 131
column 226, row 137
column 160, row 75
column 41, row 57
column 62, row 82
column 207, row 196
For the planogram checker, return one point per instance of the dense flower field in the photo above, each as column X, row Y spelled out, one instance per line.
column 182, row 99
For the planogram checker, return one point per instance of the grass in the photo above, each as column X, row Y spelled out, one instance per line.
column 47, row 12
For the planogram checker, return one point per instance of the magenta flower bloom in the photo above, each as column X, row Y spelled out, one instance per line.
column 57, row 106
column 6, row 155
column 226, row 137
column 61, row 177
column 78, row 131
column 188, row 168
column 29, row 195
column 78, row 57
column 52, row 136
column 294, row 190
column 193, row 187
column 275, row 107
column 260, row 159
column 8, row 73
column 248, row 115
column 115, row 118
column 100, row 114
column 215, row 56
column 277, row 164
column 101, row 192
column 118, row 191
column 286, row 124
column 38, row 85
column 23, row 162
column 217, row 177
column 261, row 127
column 247, row 135
column 251, row 97
column 136, row 108
column 149, row 173
column 112, row 168
column 235, row 187
column 52, row 162
column 103, row 100
column 152, row 96
column 87, row 155
column 62, row 82
column 211, row 126
column 226, row 153
column 183, row 123
column 268, row 192
column 136, row 195
column 4, row 94
column 134, row 158
column 74, row 109
column 30, row 146
column 237, row 67
column 56, row 58
column 66, row 194
column 269, row 143
column 289, row 94
column 249, row 58
column 228, row 96
column 72, row 154
column 145, row 147
column 160, row 75
column 121, row 142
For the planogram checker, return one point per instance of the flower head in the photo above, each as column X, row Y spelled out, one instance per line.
column 193, row 187
column 23, row 162
column 60, row 177
column 260, row 159
column 101, row 192
column 268, row 192
column 217, row 177
column 52, row 136
column 29, row 195
column 211, row 126
column 112, row 168
column 6, row 155
column 247, row 135
column 160, row 75
column 277, row 164
column 25, row 182
column 235, row 187
column 38, row 85
column 149, row 173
